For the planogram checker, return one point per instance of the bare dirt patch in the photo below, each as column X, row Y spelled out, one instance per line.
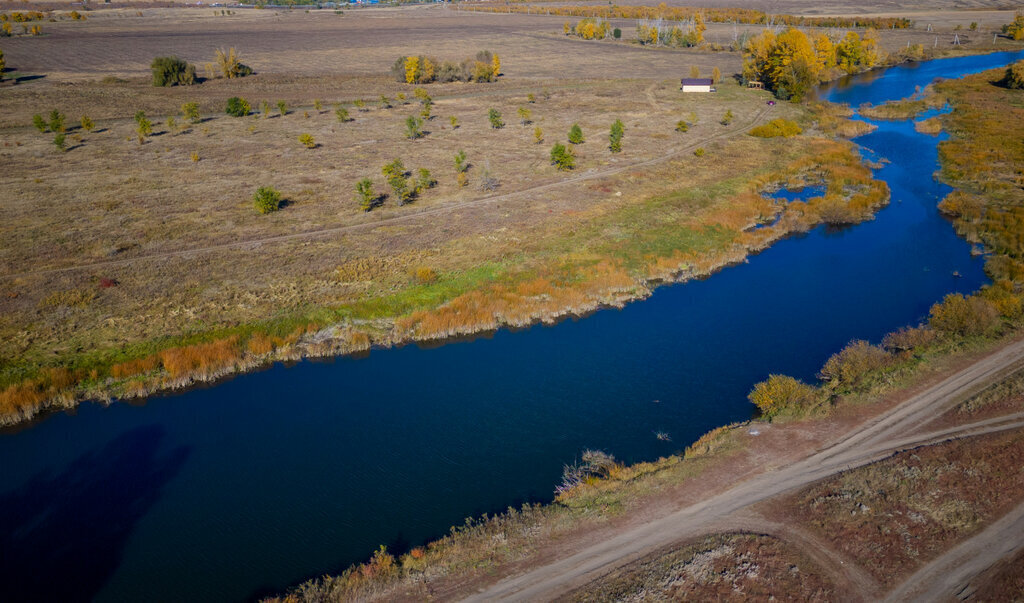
column 721, row 567
column 894, row 515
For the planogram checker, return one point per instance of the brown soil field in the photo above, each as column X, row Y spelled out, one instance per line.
column 721, row 567
column 892, row 516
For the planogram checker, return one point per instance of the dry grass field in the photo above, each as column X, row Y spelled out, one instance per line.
column 114, row 252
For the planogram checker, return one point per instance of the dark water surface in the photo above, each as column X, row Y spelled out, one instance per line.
column 255, row 484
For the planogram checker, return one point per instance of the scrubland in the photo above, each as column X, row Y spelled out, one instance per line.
column 133, row 267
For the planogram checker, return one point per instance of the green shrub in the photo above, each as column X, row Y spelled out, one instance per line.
column 59, row 142
column 617, row 33
column 266, row 199
column 615, row 136
column 562, row 157
column 727, row 118
column 395, row 174
column 282, row 107
column 1015, row 76
column 40, row 123
column 852, row 363
column 495, row 118
column 413, row 127
column 460, row 162
column 699, row 152
column 87, row 123
column 576, row 134
column 682, row 126
column 781, row 392
column 56, row 121
column 238, row 107
column 307, row 141
column 959, row 315
column 777, row 127
column 365, row 195
column 172, row 71
column 190, row 111
column 424, row 181
column 342, row 114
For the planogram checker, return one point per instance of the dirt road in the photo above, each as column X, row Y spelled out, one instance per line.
column 897, row 429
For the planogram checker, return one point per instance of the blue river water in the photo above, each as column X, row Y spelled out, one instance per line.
column 252, row 485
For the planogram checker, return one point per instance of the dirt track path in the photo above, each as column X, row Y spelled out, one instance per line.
column 411, row 215
column 950, row 575
column 890, row 432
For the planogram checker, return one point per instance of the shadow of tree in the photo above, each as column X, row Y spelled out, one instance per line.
column 62, row 536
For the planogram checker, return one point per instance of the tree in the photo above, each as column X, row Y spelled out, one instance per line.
column 615, row 136
column 365, row 195
column 460, row 162
column 317, row 105
column 266, row 199
column 524, row 115
column 716, row 75
column 87, row 124
column 727, row 118
column 307, row 141
column 385, row 102
column 496, row 65
column 424, row 181
column 413, row 127
column 395, row 174
column 538, row 135
column 59, row 142
column 412, row 70
column 454, row 121
column 682, row 126
column 40, row 123
column 576, row 134
column 530, row 98
column 3, row 65
column 1015, row 29
column 56, row 121
column 237, row 107
column 342, row 114
column 143, row 127
column 562, row 157
column 495, row 118
column 172, row 71
column 190, row 111
column 229, row 64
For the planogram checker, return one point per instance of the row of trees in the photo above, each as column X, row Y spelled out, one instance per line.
column 660, row 33
column 484, row 67
column 791, row 63
column 713, row 15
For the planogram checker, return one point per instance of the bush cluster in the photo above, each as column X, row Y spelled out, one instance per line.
column 484, row 67
column 777, row 127
column 172, row 71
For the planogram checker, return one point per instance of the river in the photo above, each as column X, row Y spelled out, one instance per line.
column 252, row 485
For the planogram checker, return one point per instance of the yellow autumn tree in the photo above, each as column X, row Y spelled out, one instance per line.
column 496, row 64
column 427, row 71
column 787, row 63
column 698, row 29
column 412, row 69
column 825, row 51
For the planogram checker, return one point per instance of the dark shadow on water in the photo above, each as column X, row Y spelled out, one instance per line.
column 62, row 536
